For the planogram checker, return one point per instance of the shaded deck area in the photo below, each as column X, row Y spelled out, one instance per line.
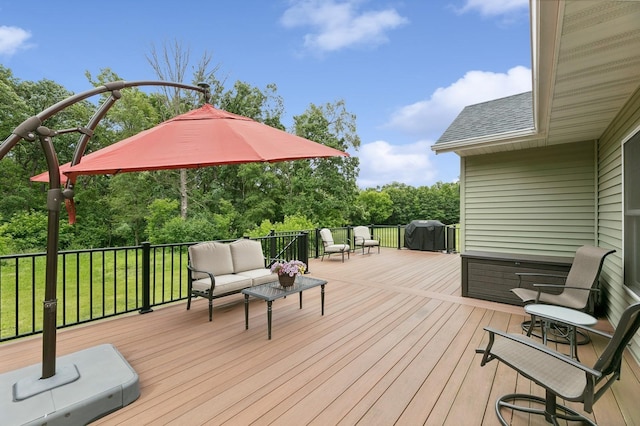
column 396, row 346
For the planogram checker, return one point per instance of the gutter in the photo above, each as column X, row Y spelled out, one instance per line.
column 486, row 141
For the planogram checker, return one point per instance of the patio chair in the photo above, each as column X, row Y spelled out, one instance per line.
column 576, row 292
column 330, row 247
column 560, row 375
column 362, row 238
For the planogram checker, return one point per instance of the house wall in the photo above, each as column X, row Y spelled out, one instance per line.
column 535, row 201
column 610, row 218
column 549, row 201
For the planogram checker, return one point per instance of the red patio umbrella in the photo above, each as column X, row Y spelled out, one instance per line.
column 203, row 137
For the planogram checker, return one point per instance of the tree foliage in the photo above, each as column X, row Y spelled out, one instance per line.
column 440, row 202
column 372, row 207
column 224, row 202
column 289, row 224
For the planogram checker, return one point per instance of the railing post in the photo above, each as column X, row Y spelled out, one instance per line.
column 317, row 240
column 146, row 278
column 399, row 246
column 303, row 248
column 451, row 239
column 273, row 249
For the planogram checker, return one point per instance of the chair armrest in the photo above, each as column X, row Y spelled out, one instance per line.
column 519, row 338
column 595, row 331
column 192, row 269
column 539, row 286
column 536, row 274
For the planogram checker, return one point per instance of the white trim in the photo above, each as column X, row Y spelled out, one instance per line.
column 631, row 293
column 485, row 141
column 630, row 135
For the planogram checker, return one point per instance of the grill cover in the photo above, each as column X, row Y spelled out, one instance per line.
column 428, row 235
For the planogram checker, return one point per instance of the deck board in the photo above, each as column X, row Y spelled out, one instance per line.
column 396, row 346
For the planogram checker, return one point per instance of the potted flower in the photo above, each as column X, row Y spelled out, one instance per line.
column 287, row 271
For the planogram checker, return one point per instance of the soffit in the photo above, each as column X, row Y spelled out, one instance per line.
column 597, row 68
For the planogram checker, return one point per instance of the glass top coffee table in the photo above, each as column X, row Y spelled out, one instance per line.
column 273, row 290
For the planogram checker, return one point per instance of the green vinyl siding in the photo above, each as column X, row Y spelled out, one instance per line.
column 535, row 201
column 610, row 205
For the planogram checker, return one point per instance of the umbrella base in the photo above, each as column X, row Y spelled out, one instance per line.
column 88, row 384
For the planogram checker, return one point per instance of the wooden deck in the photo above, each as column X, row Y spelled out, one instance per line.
column 396, row 346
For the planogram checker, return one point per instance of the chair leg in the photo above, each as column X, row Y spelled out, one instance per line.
column 210, row 310
column 552, row 411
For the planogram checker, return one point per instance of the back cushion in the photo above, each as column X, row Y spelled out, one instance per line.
column 247, row 255
column 326, row 236
column 211, row 256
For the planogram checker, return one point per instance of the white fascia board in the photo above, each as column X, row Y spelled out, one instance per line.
column 485, row 141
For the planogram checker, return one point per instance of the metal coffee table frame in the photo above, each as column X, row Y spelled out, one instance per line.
column 273, row 291
column 565, row 317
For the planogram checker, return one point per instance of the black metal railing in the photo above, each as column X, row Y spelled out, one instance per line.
column 100, row 283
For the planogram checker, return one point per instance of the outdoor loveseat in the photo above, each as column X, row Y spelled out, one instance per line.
column 219, row 269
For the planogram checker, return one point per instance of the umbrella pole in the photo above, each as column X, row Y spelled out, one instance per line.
column 54, row 203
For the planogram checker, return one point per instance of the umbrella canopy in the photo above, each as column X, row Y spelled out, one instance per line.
column 203, row 137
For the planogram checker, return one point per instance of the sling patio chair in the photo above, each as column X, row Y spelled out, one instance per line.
column 330, row 247
column 577, row 291
column 362, row 238
column 559, row 375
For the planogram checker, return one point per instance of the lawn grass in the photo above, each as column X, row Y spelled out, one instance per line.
column 90, row 285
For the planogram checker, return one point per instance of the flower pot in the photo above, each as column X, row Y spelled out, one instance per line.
column 286, row 280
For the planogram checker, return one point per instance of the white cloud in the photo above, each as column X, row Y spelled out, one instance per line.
column 415, row 164
column 382, row 163
column 495, row 7
column 339, row 24
column 13, row 39
column 430, row 118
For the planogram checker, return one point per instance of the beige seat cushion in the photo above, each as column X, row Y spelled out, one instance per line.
column 336, row 248
column 260, row 276
column 224, row 284
column 211, row 256
column 246, row 255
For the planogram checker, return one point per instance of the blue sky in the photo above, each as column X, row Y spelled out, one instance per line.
column 405, row 68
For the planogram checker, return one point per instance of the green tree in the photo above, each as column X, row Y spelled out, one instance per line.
column 13, row 108
column 129, row 197
column 324, row 188
column 290, row 223
column 6, row 241
column 404, row 200
column 449, row 201
column 28, row 230
column 159, row 212
column 372, row 206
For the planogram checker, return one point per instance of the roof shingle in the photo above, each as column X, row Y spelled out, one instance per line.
column 491, row 118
